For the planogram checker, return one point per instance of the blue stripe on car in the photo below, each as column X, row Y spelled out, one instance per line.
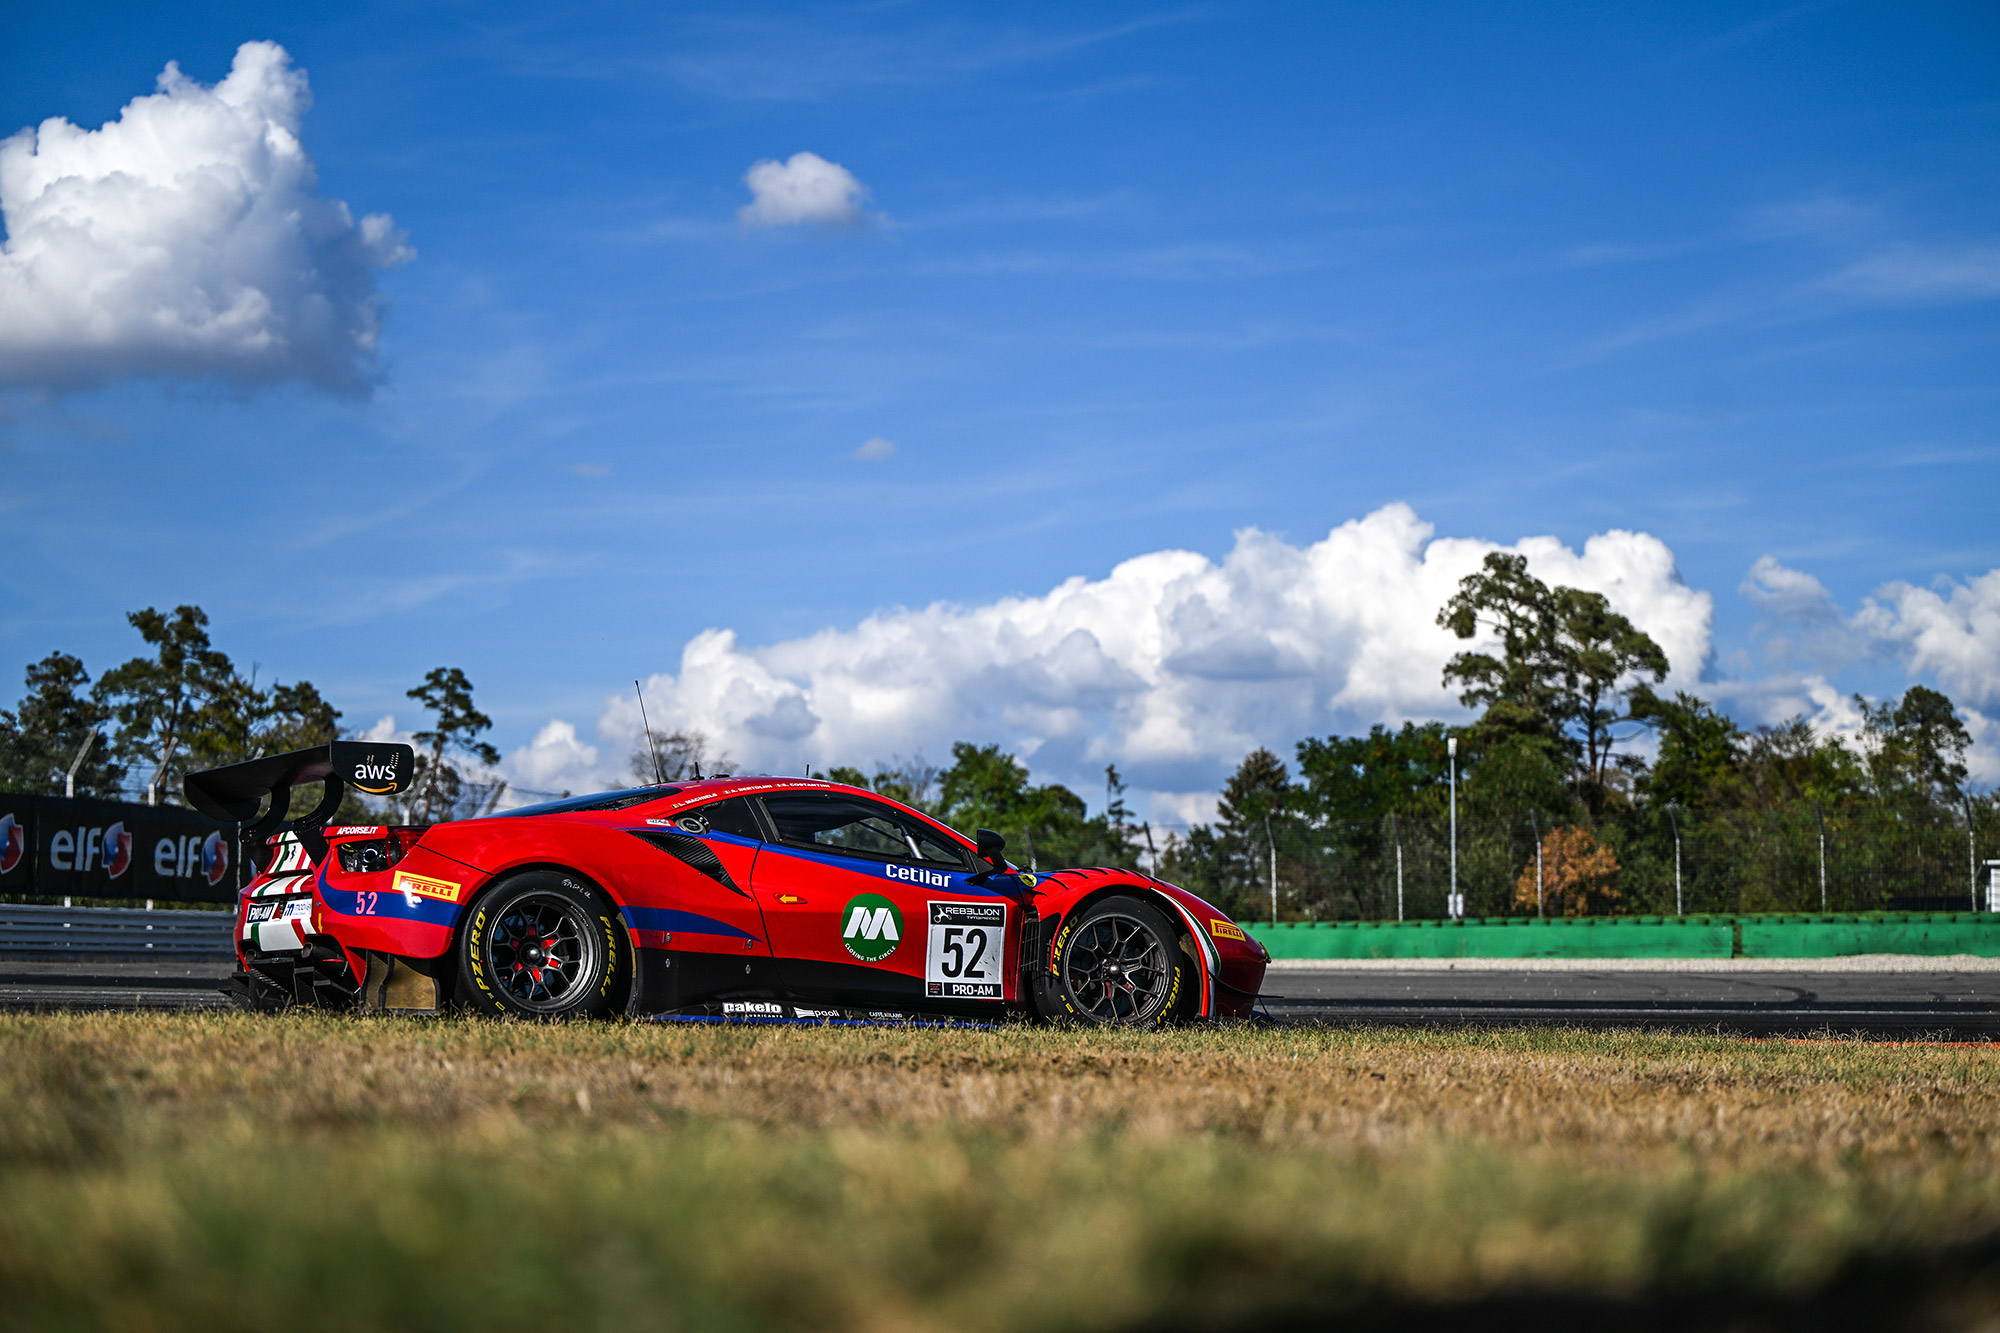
column 680, row 923
column 957, row 881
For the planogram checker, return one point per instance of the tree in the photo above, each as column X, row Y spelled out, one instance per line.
column 913, row 782
column 454, row 732
column 1700, row 750
column 40, row 739
column 985, row 787
column 1233, row 858
column 1915, row 748
column 679, row 756
column 1518, row 691
column 158, row 701
column 1561, row 680
column 1598, row 649
column 1790, row 764
column 1359, row 780
column 1579, row 875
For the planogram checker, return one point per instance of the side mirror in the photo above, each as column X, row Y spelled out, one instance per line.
column 992, row 848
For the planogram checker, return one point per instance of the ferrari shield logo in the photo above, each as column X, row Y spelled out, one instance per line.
column 871, row 927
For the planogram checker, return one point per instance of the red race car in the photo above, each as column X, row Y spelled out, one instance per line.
column 724, row 897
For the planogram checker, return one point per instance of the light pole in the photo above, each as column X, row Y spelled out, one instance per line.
column 1535, row 823
column 1396, row 837
column 1454, row 905
column 1273, row 844
column 1971, row 853
column 1677, row 859
column 1820, row 816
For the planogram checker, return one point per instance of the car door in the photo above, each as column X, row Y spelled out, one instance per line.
column 867, row 904
column 706, row 912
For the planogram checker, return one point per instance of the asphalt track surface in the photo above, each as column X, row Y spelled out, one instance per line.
column 1780, row 998
column 1959, row 1003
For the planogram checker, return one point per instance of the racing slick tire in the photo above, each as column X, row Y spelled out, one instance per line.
column 1120, row 962
column 542, row 945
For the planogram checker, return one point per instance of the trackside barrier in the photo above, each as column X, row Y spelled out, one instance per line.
column 1775, row 936
column 113, row 932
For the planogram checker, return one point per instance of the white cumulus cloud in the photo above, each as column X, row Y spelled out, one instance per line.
column 1172, row 666
column 805, row 188
column 187, row 237
column 1953, row 635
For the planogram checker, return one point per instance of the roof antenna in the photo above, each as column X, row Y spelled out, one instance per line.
column 651, row 744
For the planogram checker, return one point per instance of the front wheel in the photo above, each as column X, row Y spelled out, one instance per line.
column 542, row 945
column 1120, row 962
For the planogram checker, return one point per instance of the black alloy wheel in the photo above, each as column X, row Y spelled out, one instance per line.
column 542, row 945
column 1120, row 962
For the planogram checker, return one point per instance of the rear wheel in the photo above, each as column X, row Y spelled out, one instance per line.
column 1119, row 962
column 542, row 945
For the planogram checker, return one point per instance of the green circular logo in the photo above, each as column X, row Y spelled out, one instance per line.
column 871, row 927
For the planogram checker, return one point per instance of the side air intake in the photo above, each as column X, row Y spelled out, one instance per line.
column 694, row 852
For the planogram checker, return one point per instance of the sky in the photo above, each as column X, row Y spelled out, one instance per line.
column 1122, row 384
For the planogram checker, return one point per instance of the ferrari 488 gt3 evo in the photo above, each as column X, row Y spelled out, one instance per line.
column 751, row 896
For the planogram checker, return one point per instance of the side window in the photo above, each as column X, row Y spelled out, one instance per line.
column 854, row 824
column 731, row 816
column 934, row 847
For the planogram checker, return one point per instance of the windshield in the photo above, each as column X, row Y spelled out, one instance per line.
column 603, row 800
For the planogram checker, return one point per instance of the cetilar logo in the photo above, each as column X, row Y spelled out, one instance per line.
column 377, row 779
column 13, row 841
column 117, row 851
column 873, row 929
column 214, row 858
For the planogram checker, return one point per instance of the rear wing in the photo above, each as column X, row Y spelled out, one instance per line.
column 234, row 792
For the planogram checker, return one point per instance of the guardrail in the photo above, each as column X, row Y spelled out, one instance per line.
column 28, row 931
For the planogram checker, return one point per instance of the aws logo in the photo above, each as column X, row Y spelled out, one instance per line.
column 375, row 777
column 13, row 843
column 874, row 927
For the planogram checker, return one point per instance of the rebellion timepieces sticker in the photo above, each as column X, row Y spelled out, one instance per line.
column 962, row 957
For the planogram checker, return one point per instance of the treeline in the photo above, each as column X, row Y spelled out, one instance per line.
column 181, row 705
column 1557, row 815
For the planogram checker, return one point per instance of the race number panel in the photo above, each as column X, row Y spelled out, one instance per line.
column 962, row 958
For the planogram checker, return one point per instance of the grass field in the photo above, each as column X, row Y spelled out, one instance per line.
column 224, row 1172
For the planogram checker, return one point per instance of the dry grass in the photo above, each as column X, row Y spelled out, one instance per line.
column 228, row 1171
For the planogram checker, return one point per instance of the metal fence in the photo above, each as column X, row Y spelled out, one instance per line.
column 112, row 932
column 1850, row 860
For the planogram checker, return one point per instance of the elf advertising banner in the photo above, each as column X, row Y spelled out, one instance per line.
column 51, row 845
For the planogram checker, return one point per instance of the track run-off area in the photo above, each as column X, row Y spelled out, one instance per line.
column 1882, row 996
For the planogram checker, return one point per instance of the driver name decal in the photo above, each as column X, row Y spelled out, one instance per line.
column 871, row 927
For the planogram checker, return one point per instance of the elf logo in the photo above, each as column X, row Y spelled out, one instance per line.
column 13, row 842
column 186, row 855
column 117, row 851
column 87, row 849
column 873, row 929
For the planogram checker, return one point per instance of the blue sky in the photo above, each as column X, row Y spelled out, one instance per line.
column 1124, row 280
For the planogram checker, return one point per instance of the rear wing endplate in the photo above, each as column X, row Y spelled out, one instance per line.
column 234, row 792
